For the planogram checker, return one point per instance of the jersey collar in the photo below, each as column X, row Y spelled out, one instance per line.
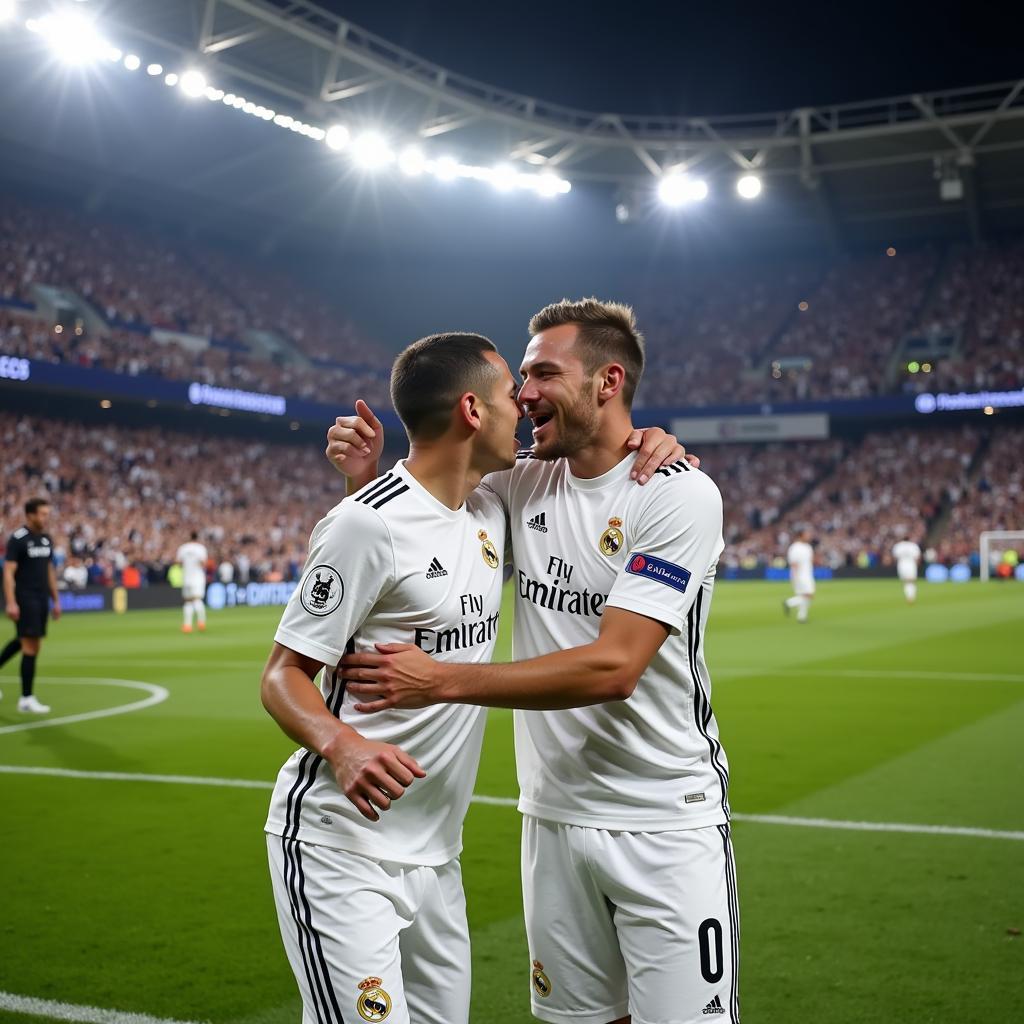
column 612, row 478
column 437, row 507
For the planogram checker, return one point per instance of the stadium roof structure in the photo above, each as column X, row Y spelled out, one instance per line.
column 943, row 164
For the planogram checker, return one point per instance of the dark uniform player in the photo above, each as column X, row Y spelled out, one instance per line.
column 29, row 583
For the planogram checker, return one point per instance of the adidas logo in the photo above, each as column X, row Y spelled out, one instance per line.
column 715, row 1006
column 538, row 522
column 435, row 569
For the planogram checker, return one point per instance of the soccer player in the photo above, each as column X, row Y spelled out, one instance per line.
column 628, row 873
column 908, row 556
column 800, row 557
column 30, row 584
column 192, row 557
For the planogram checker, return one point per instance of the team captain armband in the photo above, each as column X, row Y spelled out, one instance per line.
column 672, row 575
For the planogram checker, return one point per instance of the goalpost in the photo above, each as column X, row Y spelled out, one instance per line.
column 985, row 540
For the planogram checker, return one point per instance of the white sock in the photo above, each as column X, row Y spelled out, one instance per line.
column 793, row 602
column 803, row 606
column 188, row 613
column 910, row 591
column 200, row 611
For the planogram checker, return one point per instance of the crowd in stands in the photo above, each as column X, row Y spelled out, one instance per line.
column 124, row 497
column 891, row 486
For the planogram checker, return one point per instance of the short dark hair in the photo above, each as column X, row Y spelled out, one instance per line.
column 607, row 334
column 195, row 535
column 430, row 376
column 33, row 505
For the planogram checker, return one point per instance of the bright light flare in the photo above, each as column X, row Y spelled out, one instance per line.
column 504, row 178
column 7, row 10
column 676, row 189
column 446, row 168
column 193, row 84
column 337, row 137
column 132, row 62
column 749, row 186
column 72, row 37
column 154, row 69
column 411, row 161
column 371, row 151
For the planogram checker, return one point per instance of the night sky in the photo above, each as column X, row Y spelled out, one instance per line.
column 703, row 58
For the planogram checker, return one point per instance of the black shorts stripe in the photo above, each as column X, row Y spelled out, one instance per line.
column 389, row 496
column 701, row 699
column 734, row 922
column 376, row 490
column 305, row 948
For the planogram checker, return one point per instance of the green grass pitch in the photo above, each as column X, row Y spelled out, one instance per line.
column 154, row 898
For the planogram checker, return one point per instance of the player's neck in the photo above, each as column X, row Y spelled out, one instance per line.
column 443, row 471
column 606, row 450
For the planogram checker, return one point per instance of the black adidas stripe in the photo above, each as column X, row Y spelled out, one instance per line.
column 380, row 491
column 313, row 960
column 390, row 495
column 675, row 467
column 375, row 488
column 734, row 922
column 701, row 699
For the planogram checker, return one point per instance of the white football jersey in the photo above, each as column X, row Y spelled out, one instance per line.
column 801, row 558
column 907, row 555
column 653, row 762
column 192, row 557
column 392, row 564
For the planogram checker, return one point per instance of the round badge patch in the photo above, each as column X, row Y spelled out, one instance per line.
column 322, row 590
column 373, row 1004
column 541, row 982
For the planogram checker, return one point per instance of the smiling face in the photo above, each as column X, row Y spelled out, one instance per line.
column 558, row 395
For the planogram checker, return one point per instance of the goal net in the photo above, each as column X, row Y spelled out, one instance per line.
column 992, row 541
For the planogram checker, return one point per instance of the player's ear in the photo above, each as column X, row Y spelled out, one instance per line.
column 610, row 381
column 469, row 412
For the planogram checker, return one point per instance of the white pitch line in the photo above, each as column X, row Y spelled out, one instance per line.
column 859, row 673
column 72, row 1012
column 157, row 695
column 508, row 801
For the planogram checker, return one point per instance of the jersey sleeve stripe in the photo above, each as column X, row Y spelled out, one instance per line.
column 388, row 497
column 375, row 488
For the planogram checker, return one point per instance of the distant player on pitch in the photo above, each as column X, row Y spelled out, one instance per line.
column 907, row 555
column 800, row 557
column 629, row 881
column 192, row 557
column 30, row 584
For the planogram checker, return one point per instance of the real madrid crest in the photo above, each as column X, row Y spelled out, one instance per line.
column 541, row 982
column 488, row 550
column 373, row 1003
column 612, row 540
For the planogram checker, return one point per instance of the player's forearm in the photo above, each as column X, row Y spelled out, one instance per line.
column 52, row 576
column 9, row 569
column 592, row 674
column 357, row 483
column 297, row 706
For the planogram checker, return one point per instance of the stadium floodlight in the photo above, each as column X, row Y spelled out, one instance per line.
column 7, row 10
column 114, row 55
column 548, row 184
column 622, row 213
column 677, row 189
column 132, row 62
column 749, row 186
column 171, row 79
column 446, row 168
column 537, row 159
column 282, row 120
column 193, row 84
column 370, row 150
column 72, row 37
column 154, row 69
column 504, row 177
column 337, row 137
column 213, row 95
column 411, row 161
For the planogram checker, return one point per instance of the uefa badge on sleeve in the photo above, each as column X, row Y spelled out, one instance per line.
column 322, row 590
column 488, row 550
column 373, row 1004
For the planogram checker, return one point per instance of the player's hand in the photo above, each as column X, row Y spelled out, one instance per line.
column 396, row 676
column 56, row 610
column 13, row 611
column 371, row 775
column 654, row 449
column 355, row 443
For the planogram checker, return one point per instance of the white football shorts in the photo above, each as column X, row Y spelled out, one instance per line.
column 193, row 587
column 803, row 584
column 639, row 923
column 370, row 940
